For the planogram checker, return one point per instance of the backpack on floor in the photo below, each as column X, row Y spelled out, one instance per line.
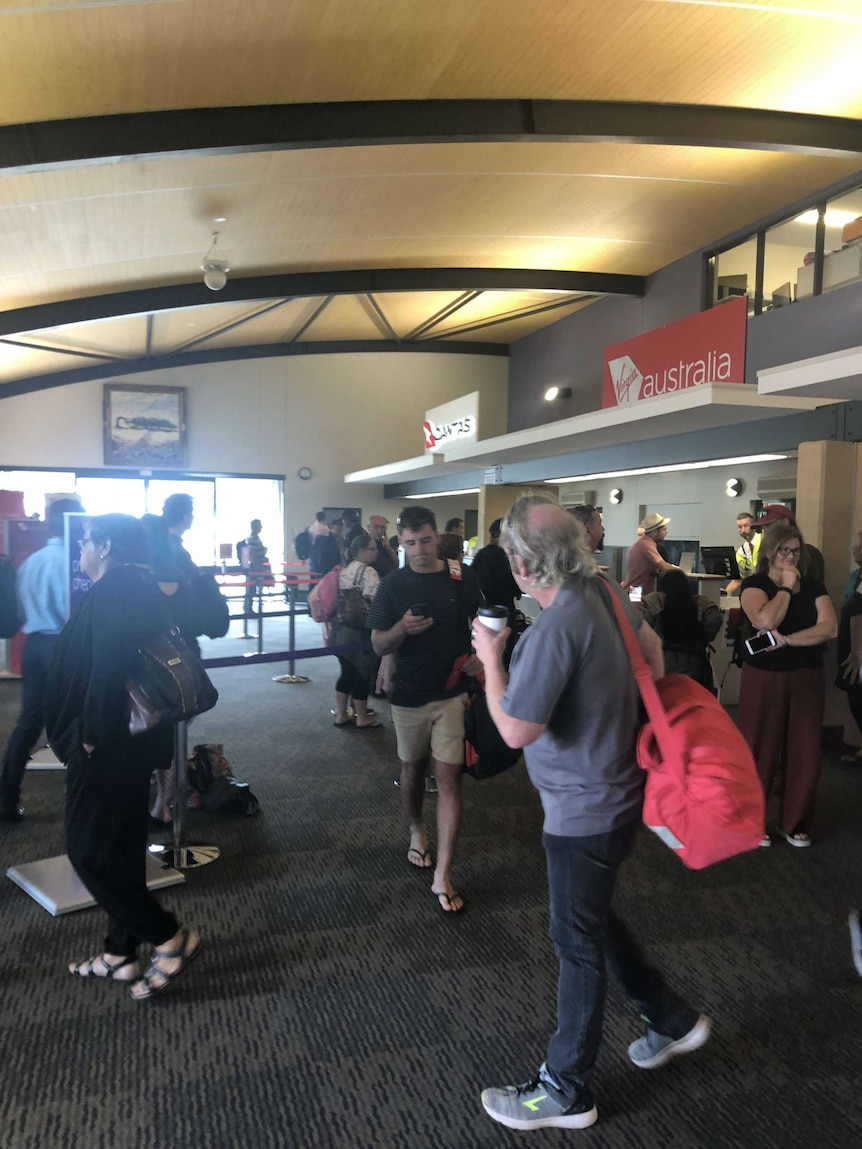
column 703, row 797
column 323, row 600
column 212, row 786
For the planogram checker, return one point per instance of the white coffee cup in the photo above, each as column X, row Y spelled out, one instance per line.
column 494, row 617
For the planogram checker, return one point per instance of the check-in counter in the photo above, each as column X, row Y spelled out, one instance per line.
column 725, row 672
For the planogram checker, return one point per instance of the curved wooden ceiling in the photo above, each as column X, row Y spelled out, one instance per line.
column 137, row 227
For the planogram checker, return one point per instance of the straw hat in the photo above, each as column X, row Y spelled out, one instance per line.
column 653, row 522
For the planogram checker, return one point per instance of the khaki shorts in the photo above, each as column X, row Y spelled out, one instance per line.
column 436, row 728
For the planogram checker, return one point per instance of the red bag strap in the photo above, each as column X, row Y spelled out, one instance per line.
column 643, row 676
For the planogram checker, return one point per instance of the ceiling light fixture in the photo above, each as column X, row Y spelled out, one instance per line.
column 557, row 393
column 445, row 494
column 668, row 469
column 215, row 270
column 834, row 217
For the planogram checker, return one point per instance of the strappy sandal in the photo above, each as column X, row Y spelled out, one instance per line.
column 156, row 980
column 85, row 970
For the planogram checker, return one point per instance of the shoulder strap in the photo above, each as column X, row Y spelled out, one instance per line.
column 643, row 676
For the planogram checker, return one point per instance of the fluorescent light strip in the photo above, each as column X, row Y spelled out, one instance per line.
column 668, row 469
column 445, row 494
column 771, row 10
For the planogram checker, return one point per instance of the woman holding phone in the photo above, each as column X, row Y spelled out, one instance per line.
column 782, row 692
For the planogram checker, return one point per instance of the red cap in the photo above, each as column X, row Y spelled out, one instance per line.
column 774, row 513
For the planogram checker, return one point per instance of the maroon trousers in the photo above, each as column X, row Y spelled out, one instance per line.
column 781, row 717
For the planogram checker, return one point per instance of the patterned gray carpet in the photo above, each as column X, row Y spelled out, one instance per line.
column 334, row 1005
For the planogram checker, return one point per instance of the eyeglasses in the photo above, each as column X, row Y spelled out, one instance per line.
column 788, row 552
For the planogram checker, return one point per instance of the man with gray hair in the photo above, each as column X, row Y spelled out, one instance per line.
column 571, row 701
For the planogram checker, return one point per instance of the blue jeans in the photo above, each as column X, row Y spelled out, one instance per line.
column 587, row 933
column 35, row 663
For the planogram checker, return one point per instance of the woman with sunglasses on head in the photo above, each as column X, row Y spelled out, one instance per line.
column 108, row 769
column 782, row 692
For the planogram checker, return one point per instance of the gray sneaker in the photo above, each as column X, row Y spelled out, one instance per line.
column 654, row 1049
column 531, row 1106
column 855, row 940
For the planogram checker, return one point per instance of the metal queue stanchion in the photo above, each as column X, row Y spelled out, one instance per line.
column 291, row 678
column 177, row 855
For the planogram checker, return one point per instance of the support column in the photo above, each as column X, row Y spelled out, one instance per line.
column 829, row 512
column 495, row 501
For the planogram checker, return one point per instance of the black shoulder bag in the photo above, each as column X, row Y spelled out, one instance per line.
column 171, row 685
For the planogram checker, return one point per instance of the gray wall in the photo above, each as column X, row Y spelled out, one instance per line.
column 571, row 353
column 815, row 326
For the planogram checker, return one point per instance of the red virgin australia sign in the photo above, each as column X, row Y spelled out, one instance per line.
column 705, row 348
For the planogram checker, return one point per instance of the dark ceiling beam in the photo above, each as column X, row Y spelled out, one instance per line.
column 444, row 313
column 208, row 131
column 225, row 327
column 61, row 350
column 232, row 354
column 321, row 307
column 382, row 322
column 512, row 316
column 353, row 282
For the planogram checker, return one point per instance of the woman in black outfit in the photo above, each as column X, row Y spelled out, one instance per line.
column 108, row 775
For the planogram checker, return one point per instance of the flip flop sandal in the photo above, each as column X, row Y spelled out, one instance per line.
column 84, row 969
column 426, row 861
column 346, row 722
column 799, row 838
column 438, row 894
column 153, row 972
column 374, row 724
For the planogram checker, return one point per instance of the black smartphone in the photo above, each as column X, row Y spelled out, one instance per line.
column 420, row 609
column 761, row 642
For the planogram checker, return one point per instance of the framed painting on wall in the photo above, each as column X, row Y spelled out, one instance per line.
column 144, row 426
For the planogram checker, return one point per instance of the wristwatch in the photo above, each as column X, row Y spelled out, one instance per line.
column 787, row 588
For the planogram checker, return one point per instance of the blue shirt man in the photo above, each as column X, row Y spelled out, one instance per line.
column 42, row 591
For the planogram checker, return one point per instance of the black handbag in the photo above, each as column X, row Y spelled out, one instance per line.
column 171, row 685
column 486, row 754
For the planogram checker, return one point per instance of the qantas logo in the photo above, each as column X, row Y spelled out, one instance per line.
column 436, row 434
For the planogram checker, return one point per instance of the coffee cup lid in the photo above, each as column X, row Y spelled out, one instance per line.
column 493, row 611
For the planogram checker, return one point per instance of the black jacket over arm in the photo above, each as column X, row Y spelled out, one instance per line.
column 97, row 653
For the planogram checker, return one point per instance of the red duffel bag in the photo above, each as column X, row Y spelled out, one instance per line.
column 703, row 797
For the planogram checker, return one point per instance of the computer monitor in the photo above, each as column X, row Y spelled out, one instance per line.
column 676, row 548
column 782, row 296
column 720, row 561
column 731, row 287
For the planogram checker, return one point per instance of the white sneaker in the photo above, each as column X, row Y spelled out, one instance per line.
column 855, row 940
column 655, row 1049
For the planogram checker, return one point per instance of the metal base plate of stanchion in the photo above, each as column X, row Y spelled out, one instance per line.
column 291, row 679
column 57, row 888
column 185, row 857
column 45, row 759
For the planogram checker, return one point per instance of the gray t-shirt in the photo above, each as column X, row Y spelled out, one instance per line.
column 571, row 672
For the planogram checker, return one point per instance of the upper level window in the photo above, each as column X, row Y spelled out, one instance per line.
column 842, row 254
column 788, row 261
column 736, row 272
